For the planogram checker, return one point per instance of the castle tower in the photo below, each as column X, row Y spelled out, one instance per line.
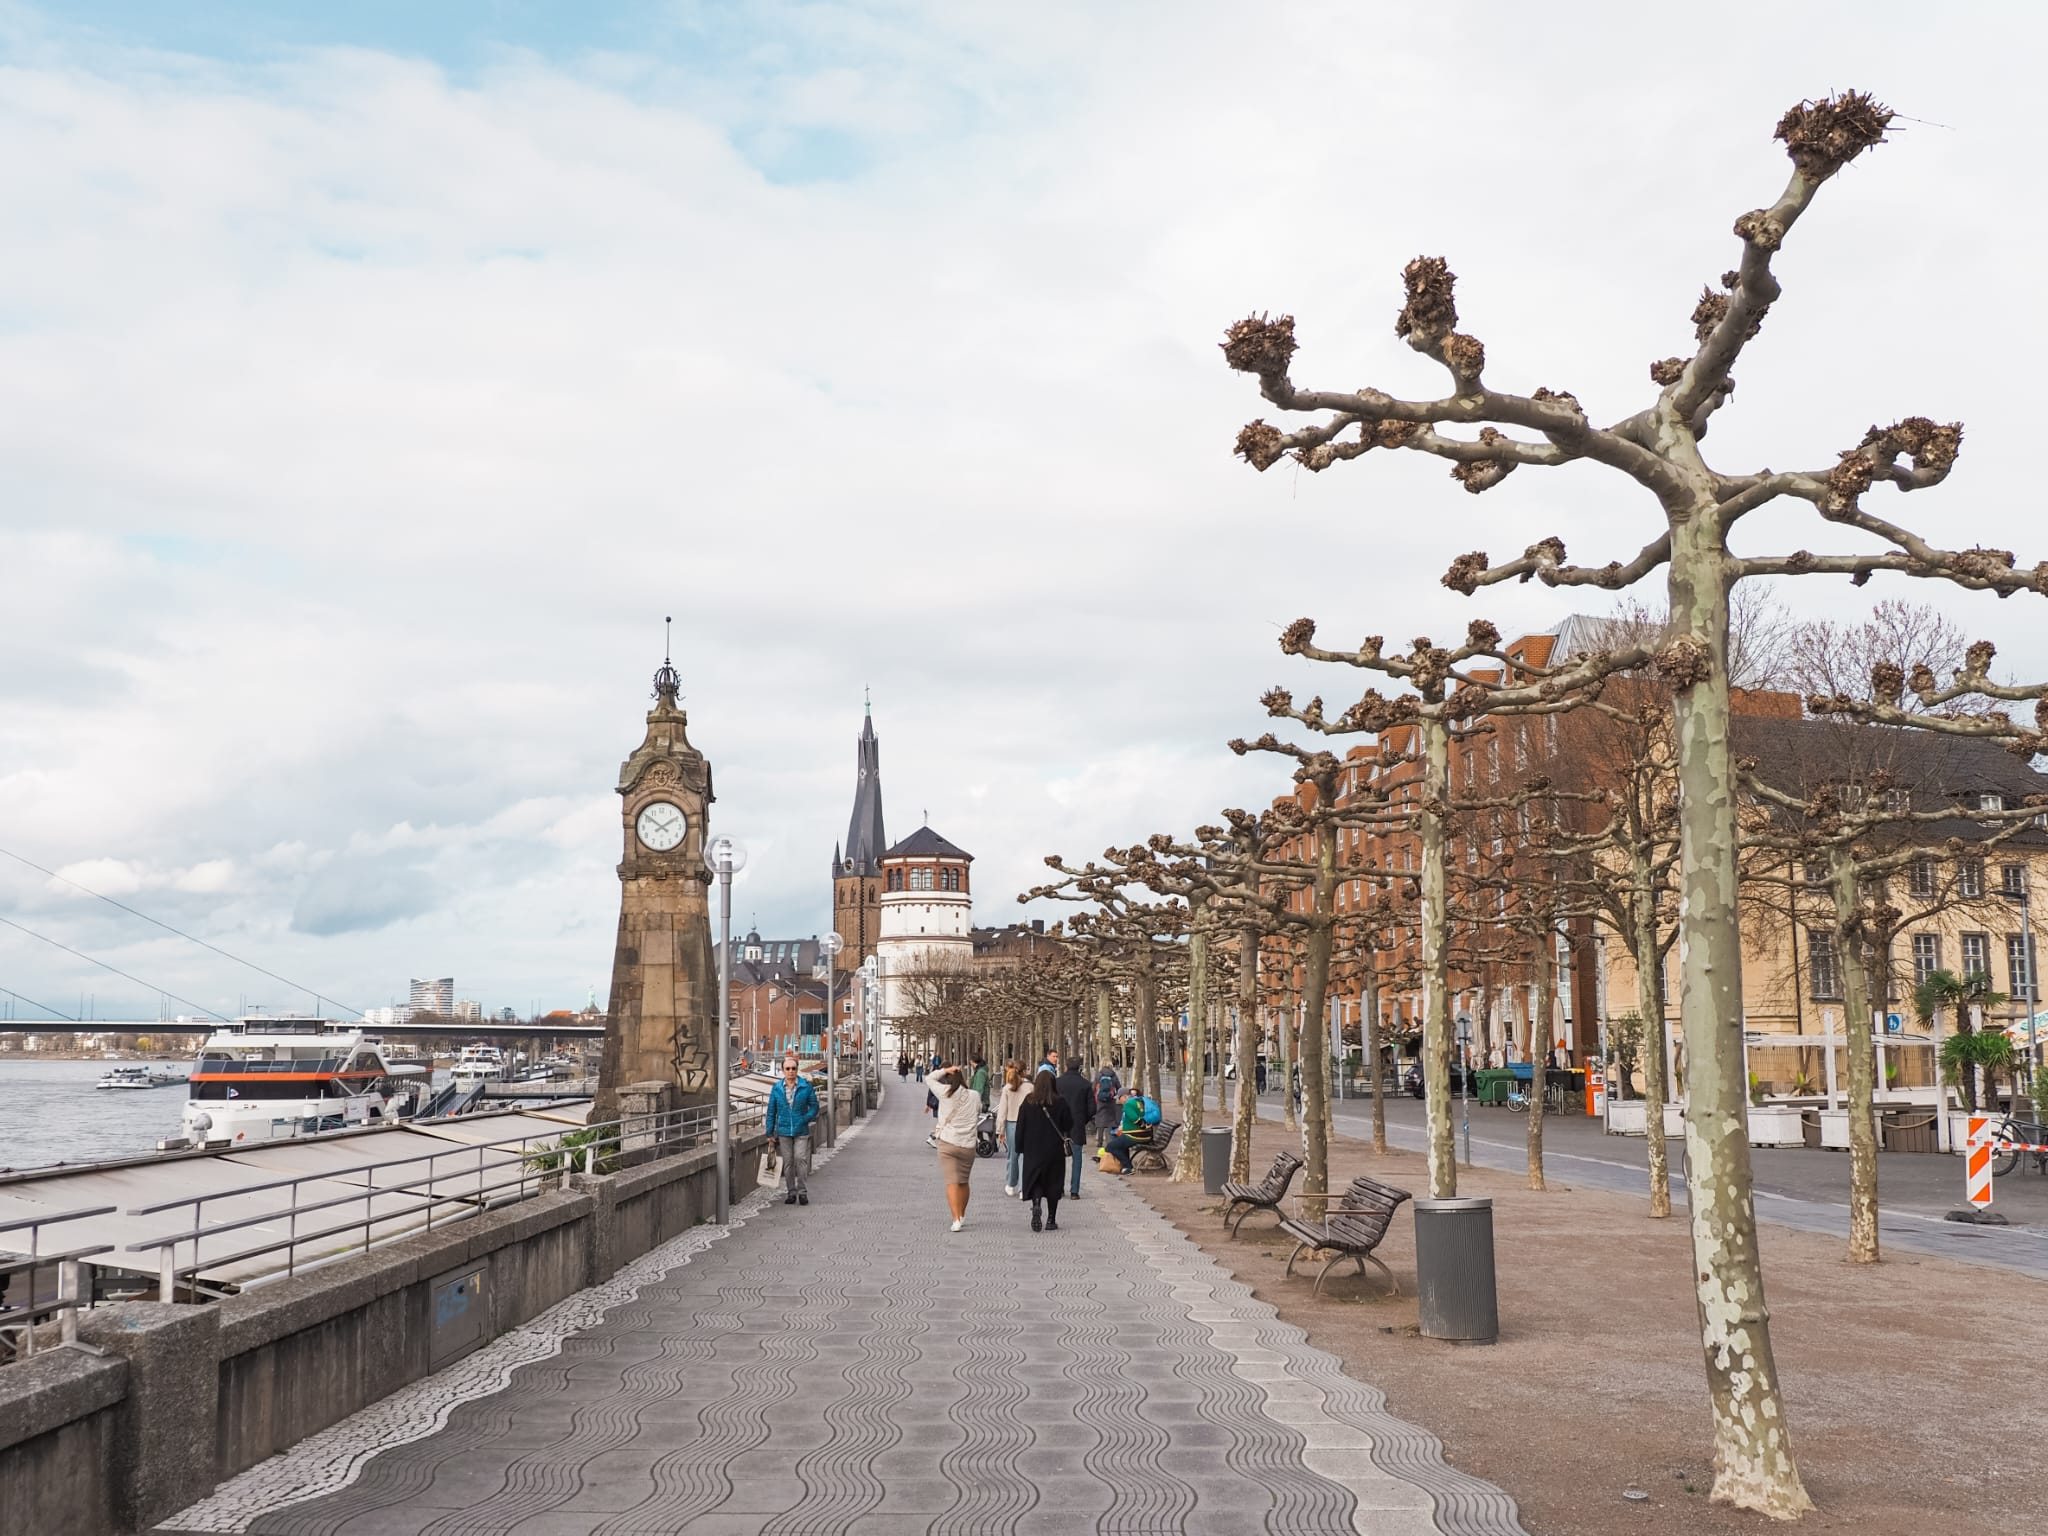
column 664, row 971
column 857, row 870
column 927, row 917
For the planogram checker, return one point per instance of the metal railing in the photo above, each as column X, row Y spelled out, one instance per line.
column 459, row 1181
column 18, row 1321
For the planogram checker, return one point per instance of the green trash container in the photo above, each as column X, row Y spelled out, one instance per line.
column 1492, row 1083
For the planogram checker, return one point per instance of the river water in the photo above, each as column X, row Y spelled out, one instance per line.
column 50, row 1112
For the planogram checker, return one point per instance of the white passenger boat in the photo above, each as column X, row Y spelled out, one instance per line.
column 265, row 1079
column 479, row 1064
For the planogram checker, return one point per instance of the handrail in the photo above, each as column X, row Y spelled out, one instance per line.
column 410, row 1196
column 21, row 1318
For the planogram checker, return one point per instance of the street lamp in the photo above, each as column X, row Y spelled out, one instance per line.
column 1465, row 1080
column 829, row 947
column 722, row 856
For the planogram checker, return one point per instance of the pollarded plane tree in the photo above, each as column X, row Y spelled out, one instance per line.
column 1697, row 509
column 1372, row 958
column 1447, row 697
column 1862, row 823
column 1140, row 939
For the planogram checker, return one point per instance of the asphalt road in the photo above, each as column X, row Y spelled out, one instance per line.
column 1806, row 1189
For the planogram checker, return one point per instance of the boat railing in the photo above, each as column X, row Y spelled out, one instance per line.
column 19, row 1320
column 456, row 1182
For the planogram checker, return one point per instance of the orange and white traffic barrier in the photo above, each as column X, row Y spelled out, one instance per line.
column 1977, row 1174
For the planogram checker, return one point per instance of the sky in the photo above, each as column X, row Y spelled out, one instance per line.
column 375, row 378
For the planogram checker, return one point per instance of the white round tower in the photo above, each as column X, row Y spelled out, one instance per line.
column 927, row 918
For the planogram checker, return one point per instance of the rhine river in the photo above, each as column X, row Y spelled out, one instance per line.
column 50, row 1112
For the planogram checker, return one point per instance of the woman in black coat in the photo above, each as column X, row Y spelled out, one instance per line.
column 1044, row 1124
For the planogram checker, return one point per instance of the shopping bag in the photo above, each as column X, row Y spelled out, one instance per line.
column 1107, row 1162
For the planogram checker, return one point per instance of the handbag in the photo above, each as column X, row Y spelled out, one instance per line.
column 1066, row 1146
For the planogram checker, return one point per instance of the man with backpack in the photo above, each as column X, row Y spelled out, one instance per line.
column 1107, row 1086
column 1135, row 1133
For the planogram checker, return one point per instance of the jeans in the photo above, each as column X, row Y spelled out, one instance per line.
column 1080, row 1156
column 1123, row 1148
column 1105, row 1117
column 795, row 1152
column 1016, row 1175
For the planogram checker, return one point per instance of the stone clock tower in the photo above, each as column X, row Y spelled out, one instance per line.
column 664, row 972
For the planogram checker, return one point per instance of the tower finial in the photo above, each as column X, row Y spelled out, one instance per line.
column 666, row 683
column 867, row 701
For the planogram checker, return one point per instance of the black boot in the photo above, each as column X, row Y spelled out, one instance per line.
column 1037, row 1217
column 789, row 1199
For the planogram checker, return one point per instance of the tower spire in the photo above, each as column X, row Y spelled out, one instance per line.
column 666, row 683
column 865, row 838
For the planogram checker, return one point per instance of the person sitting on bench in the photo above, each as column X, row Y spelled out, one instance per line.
column 1134, row 1134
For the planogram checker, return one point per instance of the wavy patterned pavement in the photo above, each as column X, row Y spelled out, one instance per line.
column 855, row 1367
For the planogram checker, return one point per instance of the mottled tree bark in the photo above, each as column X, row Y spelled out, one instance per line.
column 1539, row 1050
column 1247, row 1049
column 1753, row 1464
column 1189, row 1164
column 1370, row 1036
column 1857, row 992
column 1437, row 1042
column 1650, row 1006
column 1315, row 1027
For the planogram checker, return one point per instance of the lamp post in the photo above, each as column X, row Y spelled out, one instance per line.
column 1465, row 1081
column 829, row 947
column 722, row 856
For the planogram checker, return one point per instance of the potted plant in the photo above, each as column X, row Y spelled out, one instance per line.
column 594, row 1149
column 1771, row 1125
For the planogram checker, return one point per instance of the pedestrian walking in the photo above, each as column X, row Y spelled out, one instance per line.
column 959, row 1111
column 1078, row 1095
column 1045, row 1127
column 1015, row 1088
column 1261, row 1078
column 1107, row 1086
column 920, row 1069
column 792, row 1106
column 978, row 1081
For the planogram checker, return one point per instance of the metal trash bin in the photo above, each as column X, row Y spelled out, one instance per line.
column 1215, row 1159
column 1454, row 1278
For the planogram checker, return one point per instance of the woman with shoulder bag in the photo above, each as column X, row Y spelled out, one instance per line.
column 1044, row 1128
column 1016, row 1087
column 959, row 1113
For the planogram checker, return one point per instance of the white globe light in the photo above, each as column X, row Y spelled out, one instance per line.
column 724, row 855
column 831, row 944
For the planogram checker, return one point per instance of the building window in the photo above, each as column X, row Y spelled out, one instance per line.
column 895, row 879
column 2019, row 966
column 1991, row 802
column 2012, row 880
column 1820, row 954
column 1898, row 800
column 1926, row 956
column 1970, row 877
column 1976, row 956
column 1850, row 797
column 1816, row 871
column 1922, row 877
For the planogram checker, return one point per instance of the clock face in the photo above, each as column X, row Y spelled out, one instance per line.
column 661, row 825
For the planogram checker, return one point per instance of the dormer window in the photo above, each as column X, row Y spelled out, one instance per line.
column 1991, row 802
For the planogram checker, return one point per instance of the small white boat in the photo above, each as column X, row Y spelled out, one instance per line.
column 126, row 1077
column 479, row 1064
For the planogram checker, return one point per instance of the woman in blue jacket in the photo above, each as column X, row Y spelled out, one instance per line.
column 792, row 1106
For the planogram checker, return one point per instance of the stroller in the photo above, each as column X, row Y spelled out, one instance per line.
column 987, row 1143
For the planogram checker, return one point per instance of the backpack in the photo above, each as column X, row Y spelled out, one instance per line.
column 1106, row 1085
column 1151, row 1110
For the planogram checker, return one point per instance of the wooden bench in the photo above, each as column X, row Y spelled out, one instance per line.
column 1351, row 1228
column 1157, row 1148
column 1265, row 1195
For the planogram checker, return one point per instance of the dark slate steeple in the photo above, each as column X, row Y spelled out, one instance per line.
column 865, row 839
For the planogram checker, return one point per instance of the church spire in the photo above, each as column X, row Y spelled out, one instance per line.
column 865, row 839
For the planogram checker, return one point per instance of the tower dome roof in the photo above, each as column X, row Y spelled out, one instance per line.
column 924, row 843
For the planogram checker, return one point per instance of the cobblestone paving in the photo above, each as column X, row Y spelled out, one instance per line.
column 855, row 1367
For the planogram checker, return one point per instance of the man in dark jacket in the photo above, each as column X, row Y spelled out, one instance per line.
column 1107, row 1086
column 1079, row 1096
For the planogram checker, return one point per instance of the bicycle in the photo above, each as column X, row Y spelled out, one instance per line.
column 1518, row 1101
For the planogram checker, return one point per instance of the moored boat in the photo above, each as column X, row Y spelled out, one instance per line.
column 265, row 1079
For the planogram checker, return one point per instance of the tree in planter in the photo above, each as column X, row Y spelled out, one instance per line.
column 1624, row 1052
column 1960, row 994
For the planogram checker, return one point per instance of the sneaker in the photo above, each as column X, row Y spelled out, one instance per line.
column 789, row 1199
column 959, row 1222
column 1010, row 1190
column 803, row 1199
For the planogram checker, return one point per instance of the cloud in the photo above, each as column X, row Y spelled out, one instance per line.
column 365, row 407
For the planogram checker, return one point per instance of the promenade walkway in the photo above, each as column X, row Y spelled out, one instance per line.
column 854, row 1367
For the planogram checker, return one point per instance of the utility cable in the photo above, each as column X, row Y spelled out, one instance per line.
column 81, row 954
column 19, row 997
column 181, row 933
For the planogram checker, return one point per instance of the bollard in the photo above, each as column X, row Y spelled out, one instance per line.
column 1215, row 1159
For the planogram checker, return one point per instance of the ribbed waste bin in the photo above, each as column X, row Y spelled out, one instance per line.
column 1215, row 1160
column 1454, row 1270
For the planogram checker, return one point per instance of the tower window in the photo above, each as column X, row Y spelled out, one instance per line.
column 895, row 879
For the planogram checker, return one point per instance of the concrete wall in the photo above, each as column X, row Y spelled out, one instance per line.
column 116, row 1442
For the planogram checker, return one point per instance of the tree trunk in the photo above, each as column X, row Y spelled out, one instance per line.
column 1753, row 1465
column 1857, row 990
column 1290, row 1046
column 1539, row 1051
column 1369, row 1036
column 1247, row 1053
column 1189, row 1164
column 1650, row 1006
column 1315, row 1026
column 1146, row 1036
column 1436, row 993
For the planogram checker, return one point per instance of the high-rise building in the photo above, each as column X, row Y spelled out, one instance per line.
column 433, row 996
column 468, row 1009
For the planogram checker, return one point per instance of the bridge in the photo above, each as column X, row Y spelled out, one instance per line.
column 598, row 1358
column 479, row 1029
